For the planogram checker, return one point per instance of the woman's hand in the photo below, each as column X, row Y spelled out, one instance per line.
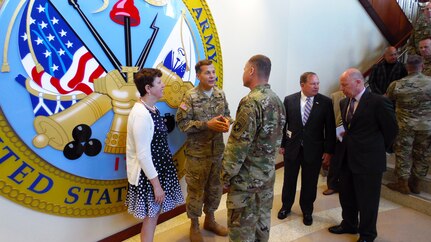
column 159, row 194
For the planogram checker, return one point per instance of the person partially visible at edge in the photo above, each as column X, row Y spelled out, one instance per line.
column 370, row 129
column 152, row 176
column 425, row 52
column 387, row 71
column 412, row 96
column 248, row 171
column 332, row 180
column 204, row 116
column 421, row 29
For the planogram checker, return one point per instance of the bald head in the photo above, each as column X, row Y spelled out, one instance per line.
column 352, row 82
column 390, row 55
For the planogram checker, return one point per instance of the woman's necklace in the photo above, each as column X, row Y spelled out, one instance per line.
column 151, row 108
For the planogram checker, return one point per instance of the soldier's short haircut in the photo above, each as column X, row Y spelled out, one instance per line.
column 414, row 60
column 145, row 77
column 202, row 63
column 425, row 38
column 262, row 65
column 305, row 75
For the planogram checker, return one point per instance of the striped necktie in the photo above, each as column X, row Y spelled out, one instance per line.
column 351, row 110
column 307, row 110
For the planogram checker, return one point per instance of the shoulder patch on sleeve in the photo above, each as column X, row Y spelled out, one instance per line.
column 184, row 106
column 244, row 115
column 239, row 126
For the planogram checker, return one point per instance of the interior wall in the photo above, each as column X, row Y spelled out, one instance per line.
column 309, row 35
column 325, row 37
column 330, row 37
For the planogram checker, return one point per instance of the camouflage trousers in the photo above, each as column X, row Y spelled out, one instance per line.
column 250, row 223
column 412, row 152
column 204, row 188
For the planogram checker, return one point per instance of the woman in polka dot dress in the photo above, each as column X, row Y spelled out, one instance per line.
column 153, row 181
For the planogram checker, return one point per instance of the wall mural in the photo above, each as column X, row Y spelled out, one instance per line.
column 66, row 84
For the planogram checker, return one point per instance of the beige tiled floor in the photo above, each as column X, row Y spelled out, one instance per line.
column 395, row 223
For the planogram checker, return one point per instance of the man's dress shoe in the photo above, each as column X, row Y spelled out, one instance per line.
column 282, row 214
column 308, row 219
column 364, row 240
column 329, row 191
column 338, row 229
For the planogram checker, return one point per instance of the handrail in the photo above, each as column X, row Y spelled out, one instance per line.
column 391, row 19
column 411, row 8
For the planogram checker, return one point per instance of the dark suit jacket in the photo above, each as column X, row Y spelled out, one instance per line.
column 371, row 132
column 318, row 134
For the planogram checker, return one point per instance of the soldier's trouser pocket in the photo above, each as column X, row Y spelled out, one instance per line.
column 235, row 216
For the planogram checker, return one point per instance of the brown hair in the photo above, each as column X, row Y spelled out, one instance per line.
column 305, row 75
column 202, row 63
column 262, row 65
column 145, row 77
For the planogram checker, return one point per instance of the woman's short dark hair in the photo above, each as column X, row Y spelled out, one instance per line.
column 145, row 77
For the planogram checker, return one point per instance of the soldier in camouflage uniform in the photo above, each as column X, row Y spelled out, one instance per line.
column 425, row 50
column 421, row 30
column 248, row 170
column 413, row 109
column 204, row 116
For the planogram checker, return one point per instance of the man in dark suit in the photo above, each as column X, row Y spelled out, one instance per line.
column 308, row 140
column 370, row 129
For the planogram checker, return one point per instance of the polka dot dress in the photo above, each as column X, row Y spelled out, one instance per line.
column 140, row 199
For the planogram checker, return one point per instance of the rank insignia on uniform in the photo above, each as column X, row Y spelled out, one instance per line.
column 184, row 106
column 237, row 127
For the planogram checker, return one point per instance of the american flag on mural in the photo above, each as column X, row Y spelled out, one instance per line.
column 69, row 68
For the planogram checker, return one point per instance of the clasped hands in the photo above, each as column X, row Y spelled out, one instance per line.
column 219, row 124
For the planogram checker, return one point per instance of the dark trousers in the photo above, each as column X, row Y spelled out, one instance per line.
column 333, row 177
column 360, row 195
column 309, row 179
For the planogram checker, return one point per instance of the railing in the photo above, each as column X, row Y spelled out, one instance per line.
column 390, row 19
column 412, row 8
column 393, row 18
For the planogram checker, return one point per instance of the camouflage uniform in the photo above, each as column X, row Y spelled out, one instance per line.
column 421, row 30
column 427, row 67
column 203, row 149
column 413, row 109
column 248, row 166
